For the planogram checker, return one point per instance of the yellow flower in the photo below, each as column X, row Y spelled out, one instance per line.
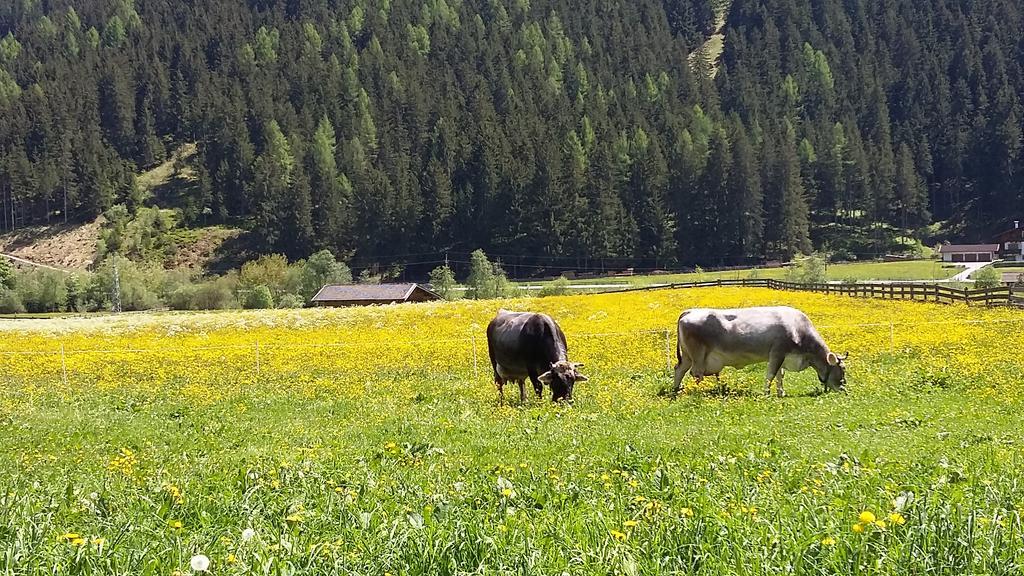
column 506, row 492
column 828, row 541
column 294, row 518
column 630, row 523
column 70, row 536
column 621, row 537
column 77, row 541
column 866, row 517
column 858, row 528
column 880, row 524
column 99, row 541
column 231, row 559
column 176, row 524
column 688, row 512
column 897, row 519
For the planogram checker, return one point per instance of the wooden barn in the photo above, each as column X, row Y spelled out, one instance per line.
column 371, row 294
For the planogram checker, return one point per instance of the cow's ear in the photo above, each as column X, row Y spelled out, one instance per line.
column 581, row 378
column 546, row 377
column 577, row 364
column 832, row 359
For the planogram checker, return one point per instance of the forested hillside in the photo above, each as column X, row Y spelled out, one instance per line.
column 540, row 128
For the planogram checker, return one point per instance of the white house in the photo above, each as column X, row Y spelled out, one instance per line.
column 968, row 252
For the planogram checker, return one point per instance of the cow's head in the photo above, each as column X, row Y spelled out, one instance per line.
column 561, row 378
column 835, row 376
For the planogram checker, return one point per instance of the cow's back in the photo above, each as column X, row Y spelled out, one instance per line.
column 743, row 330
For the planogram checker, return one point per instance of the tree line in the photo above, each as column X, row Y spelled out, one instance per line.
column 543, row 128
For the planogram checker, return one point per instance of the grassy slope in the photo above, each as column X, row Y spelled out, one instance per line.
column 409, row 471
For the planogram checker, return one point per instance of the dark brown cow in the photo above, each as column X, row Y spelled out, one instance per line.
column 525, row 345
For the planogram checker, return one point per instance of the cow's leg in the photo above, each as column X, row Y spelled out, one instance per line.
column 774, row 368
column 538, row 386
column 681, row 368
column 522, row 391
column 499, row 383
column 778, row 383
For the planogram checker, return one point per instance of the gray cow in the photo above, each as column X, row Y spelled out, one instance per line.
column 711, row 339
column 525, row 345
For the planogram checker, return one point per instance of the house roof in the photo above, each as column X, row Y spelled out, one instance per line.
column 960, row 248
column 367, row 292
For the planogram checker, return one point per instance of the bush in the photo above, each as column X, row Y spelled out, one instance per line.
column 259, row 298
column 987, row 277
column 559, row 287
column 810, row 270
column 10, row 302
column 138, row 285
column 217, row 294
column 291, row 301
column 319, row 270
column 43, row 291
column 442, row 281
column 182, row 298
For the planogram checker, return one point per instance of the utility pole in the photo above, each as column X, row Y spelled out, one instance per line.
column 117, row 289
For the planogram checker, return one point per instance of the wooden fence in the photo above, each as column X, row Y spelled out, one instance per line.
column 1001, row 296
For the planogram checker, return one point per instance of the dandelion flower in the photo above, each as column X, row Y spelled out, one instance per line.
column 630, row 523
column 248, row 534
column 618, row 535
column 858, row 528
column 176, row 524
column 897, row 519
column 231, row 559
column 294, row 518
column 880, row 524
column 199, row 563
column 828, row 541
column 866, row 517
column 688, row 512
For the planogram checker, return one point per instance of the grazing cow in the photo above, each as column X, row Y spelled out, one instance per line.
column 527, row 345
column 784, row 337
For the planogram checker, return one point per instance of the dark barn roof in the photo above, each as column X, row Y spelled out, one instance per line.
column 355, row 294
column 955, row 248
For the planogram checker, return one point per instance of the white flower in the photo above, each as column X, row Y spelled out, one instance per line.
column 248, row 534
column 200, row 563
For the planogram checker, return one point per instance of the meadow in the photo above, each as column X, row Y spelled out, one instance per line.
column 370, row 441
column 908, row 270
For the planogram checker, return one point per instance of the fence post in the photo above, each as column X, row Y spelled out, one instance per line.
column 257, row 357
column 476, row 369
column 63, row 366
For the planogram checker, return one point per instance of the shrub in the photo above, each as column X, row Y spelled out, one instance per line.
column 987, row 277
column 442, row 281
column 259, row 298
column 291, row 301
column 217, row 294
column 10, row 302
column 43, row 291
column 319, row 270
column 559, row 287
column 810, row 269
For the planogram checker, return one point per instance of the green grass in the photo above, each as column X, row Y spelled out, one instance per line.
column 911, row 270
column 802, row 468
column 416, row 473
